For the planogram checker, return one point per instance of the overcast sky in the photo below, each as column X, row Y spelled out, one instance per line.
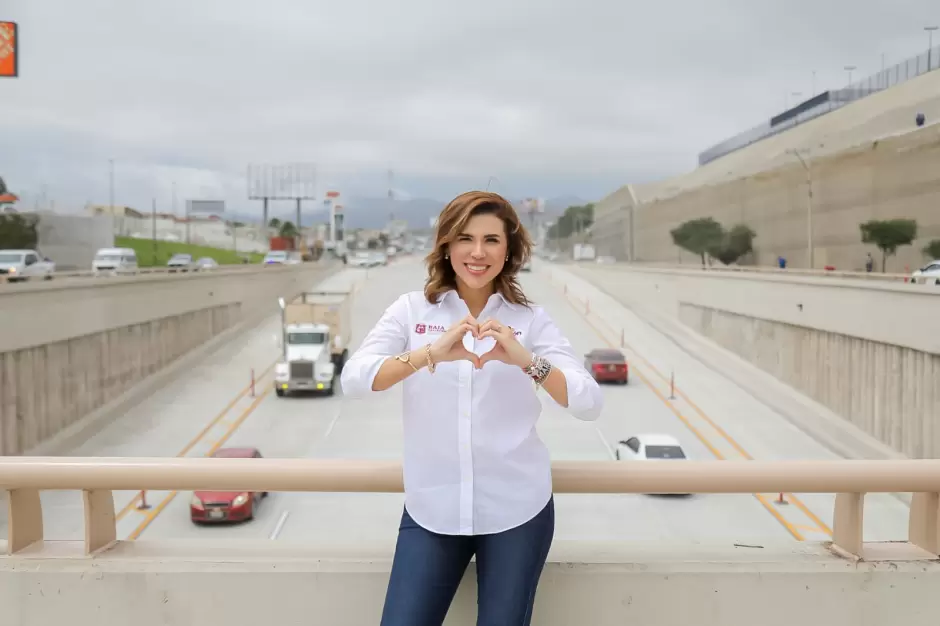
column 552, row 97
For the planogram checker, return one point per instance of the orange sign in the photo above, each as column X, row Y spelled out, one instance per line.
column 8, row 50
column 332, row 194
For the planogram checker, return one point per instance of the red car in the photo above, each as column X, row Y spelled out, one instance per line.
column 226, row 506
column 607, row 365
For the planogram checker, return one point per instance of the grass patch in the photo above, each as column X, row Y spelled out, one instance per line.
column 165, row 249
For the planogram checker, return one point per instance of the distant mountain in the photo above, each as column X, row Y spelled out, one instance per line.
column 363, row 212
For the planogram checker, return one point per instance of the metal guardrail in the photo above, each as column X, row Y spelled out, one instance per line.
column 850, row 480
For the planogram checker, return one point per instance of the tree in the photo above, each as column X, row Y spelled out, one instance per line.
column 932, row 249
column 18, row 231
column 888, row 235
column 576, row 218
column 734, row 244
column 699, row 236
column 274, row 223
column 288, row 229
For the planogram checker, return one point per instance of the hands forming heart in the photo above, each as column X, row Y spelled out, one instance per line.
column 449, row 347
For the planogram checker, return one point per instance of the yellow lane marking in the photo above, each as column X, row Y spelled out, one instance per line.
column 791, row 528
column 152, row 515
column 218, row 418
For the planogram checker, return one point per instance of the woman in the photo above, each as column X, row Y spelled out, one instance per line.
column 472, row 352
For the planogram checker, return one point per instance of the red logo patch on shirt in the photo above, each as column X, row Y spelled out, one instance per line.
column 429, row 328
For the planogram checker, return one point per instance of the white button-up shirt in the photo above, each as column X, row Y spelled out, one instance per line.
column 473, row 461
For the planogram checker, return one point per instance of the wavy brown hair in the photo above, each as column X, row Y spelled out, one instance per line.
column 451, row 222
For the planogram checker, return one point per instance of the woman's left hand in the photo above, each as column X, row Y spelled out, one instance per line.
column 507, row 349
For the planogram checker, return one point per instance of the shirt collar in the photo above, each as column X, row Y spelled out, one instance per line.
column 452, row 293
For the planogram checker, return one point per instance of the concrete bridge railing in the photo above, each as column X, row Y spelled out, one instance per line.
column 25, row 477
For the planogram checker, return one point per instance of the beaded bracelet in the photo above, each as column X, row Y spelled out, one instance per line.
column 538, row 369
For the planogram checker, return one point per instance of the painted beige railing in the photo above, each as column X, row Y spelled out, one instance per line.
column 25, row 477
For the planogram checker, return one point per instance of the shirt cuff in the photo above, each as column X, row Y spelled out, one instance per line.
column 585, row 400
column 359, row 373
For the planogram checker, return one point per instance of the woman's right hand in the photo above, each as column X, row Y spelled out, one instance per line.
column 449, row 346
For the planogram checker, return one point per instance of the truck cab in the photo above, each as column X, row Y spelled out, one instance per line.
column 308, row 363
column 315, row 331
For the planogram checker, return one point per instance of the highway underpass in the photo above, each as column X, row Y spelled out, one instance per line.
column 212, row 405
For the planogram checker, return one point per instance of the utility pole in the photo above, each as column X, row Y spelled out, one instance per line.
column 299, row 235
column 153, row 230
column 111, row 184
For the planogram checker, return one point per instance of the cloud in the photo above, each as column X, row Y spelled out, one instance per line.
column 553, row 98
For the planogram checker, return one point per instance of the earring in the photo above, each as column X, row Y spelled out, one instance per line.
column 507, row 257
column 447, row 255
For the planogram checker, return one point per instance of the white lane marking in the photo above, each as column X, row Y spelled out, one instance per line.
column 279, row 526
column 600, row 435
column 329, row 429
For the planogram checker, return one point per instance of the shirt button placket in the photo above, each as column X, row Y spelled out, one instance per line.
column 465, row 454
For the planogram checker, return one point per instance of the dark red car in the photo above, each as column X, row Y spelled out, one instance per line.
column 607, row 365
column 226, row 506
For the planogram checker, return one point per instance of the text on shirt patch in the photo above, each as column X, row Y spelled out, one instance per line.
column 428, row 328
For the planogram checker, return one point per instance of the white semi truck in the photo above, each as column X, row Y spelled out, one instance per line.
column 315, row 336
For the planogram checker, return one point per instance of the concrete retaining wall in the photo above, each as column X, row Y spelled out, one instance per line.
column 893, row 313
column 890, row 392
column 45, row 389
column 151, row 583
column 45, row 312
column 74, row 353
column 886, row 178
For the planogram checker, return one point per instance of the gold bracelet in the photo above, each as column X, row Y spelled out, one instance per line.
column 427, row 350
column 405, row 357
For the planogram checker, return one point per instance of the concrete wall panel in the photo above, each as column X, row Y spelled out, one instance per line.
column 890, row 392
column 49, row 387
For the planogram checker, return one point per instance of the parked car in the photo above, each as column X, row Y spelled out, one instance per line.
column 227, row 506
column 607, row 365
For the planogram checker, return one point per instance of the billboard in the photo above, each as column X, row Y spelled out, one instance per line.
column 9, row 50
column 293, row 181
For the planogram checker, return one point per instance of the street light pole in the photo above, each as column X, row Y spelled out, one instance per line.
column 930, row 30
column 849, row 68
column 111, row 185
column 809, row 210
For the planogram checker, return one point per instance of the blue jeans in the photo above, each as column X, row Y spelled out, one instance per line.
column 428, row 567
